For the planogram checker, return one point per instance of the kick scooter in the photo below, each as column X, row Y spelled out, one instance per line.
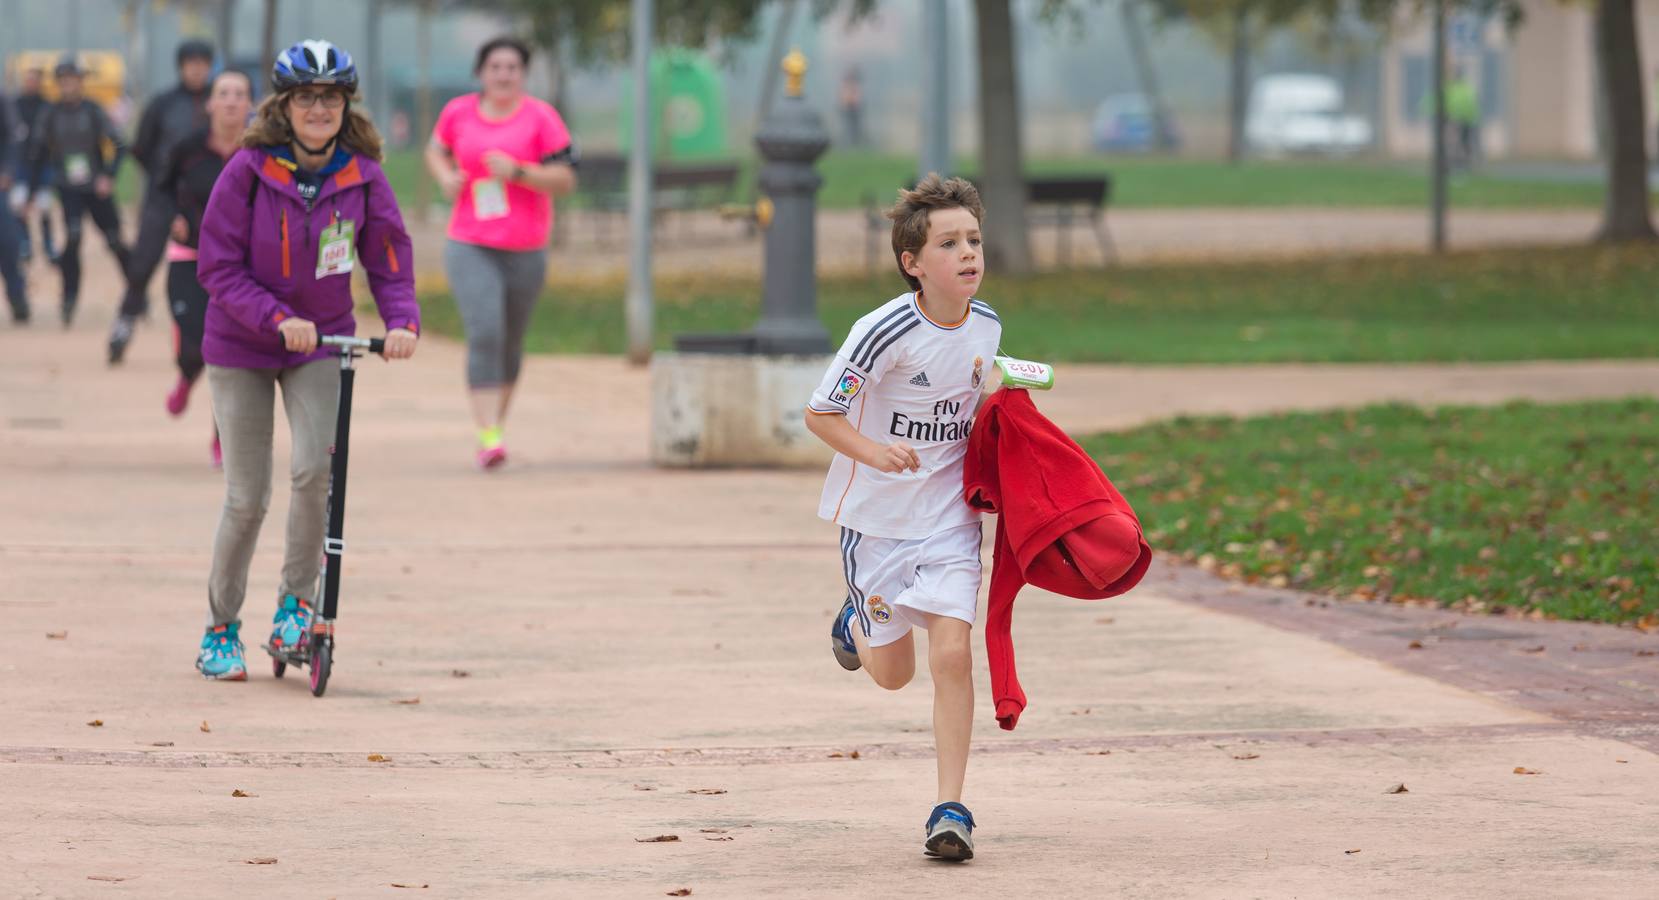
column 319, row 654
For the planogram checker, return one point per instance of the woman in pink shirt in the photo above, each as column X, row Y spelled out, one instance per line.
column 501, row 156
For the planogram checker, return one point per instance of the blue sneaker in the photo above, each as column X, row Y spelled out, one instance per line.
column 291, row 628
column 950, row 832
column 841, row 637
column 221, row 656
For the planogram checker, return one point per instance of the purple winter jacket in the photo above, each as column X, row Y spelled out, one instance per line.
column 259, row 250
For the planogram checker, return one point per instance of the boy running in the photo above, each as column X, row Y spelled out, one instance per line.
column 897, row 405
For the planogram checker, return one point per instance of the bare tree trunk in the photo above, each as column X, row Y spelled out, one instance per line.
column 1437, row 196
column 372, row 69
column 1002, row 178
column 1129, row 11
column 138, row 48
column 423, row 100
column 1239, row 84
column 267, row 34
column 1626, row 215
column 227, row 33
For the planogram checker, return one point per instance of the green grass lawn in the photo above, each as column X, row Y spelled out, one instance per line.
column 1138, row 182
column 1521, row 507
column 1144, row 183
column 1559, row 303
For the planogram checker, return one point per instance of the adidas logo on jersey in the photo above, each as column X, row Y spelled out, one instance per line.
column 921, row 380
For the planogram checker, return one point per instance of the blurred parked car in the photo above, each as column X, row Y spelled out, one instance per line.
column 1292, row 114
column 1123, row 123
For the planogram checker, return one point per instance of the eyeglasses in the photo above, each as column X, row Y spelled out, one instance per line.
column 308, row 99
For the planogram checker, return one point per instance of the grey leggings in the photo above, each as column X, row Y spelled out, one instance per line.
column 244, row 402
column 495, row 290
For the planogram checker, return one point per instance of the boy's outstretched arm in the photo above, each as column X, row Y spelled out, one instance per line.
column 834, row 430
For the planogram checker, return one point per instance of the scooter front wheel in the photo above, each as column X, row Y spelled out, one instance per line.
column 322, row 660
column 278, row 667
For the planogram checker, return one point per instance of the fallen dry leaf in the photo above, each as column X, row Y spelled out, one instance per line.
column 161, row 743
column 659, row 839
column 96, row 723
column 459, row 673
column 1104, row 620
column 643, row 787
column 853, row 755
column 682, row 892
column 1351, row 852
column 726, row 838
column 1099, row 753
column 1523, row 770
column 376, row 757
column 412, row 701
column 709, row 792
column 1537, row 649
column 1647, row 652
column 418, row 887
column 241, row 793
column 57, row 635
column 261, row 861
column 1247, row 756
column 1397, row 789
column 205, row 729
column 1415, row 645
column 1621, row 760
column 106, row 877
column 723, row 831
column 837, row 756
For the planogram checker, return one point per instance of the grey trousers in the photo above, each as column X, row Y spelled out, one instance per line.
column 244, row 405
column 495, row 291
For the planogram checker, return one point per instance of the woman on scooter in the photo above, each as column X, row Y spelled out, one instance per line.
column 293, row 213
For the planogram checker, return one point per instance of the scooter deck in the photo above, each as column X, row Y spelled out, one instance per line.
column 294, row 657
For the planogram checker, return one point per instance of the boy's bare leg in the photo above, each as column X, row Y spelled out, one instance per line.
column 950, row 659
column 891, row 665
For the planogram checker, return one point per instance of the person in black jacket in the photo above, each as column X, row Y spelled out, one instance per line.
column 169, row 119
column 188, row 177
column 11, row 231
column 70, row 137
column 29, row 104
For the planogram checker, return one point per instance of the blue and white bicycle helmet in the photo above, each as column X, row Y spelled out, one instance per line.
column 314, row 62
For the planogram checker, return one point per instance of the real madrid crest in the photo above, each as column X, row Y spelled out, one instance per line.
column 979, row 369
column 879, row 610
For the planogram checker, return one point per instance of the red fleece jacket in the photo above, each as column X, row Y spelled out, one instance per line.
column 1061, row 525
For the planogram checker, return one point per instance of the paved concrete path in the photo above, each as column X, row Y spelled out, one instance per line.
column 603, row 653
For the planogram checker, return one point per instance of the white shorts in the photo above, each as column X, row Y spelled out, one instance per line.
column 893, row 582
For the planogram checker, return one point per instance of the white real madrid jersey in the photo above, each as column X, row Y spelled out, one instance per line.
column 901, row 376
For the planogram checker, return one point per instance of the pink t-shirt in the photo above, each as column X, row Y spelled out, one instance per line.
column 489, row 212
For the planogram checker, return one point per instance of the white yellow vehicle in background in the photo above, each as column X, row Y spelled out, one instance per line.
column 106, row 73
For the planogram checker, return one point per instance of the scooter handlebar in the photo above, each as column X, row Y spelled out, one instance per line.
column 373, row 345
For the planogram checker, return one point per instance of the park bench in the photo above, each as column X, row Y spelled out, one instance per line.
column 676, row 188
column 1057, row 200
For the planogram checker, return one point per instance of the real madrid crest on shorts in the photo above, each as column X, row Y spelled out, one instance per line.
column 979, row 370
column 879, row 610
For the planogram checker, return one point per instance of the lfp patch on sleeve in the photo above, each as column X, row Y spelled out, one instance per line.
column 851, row 383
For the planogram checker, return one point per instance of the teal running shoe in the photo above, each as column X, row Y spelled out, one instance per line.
column 221, row 655
column 291, row 629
